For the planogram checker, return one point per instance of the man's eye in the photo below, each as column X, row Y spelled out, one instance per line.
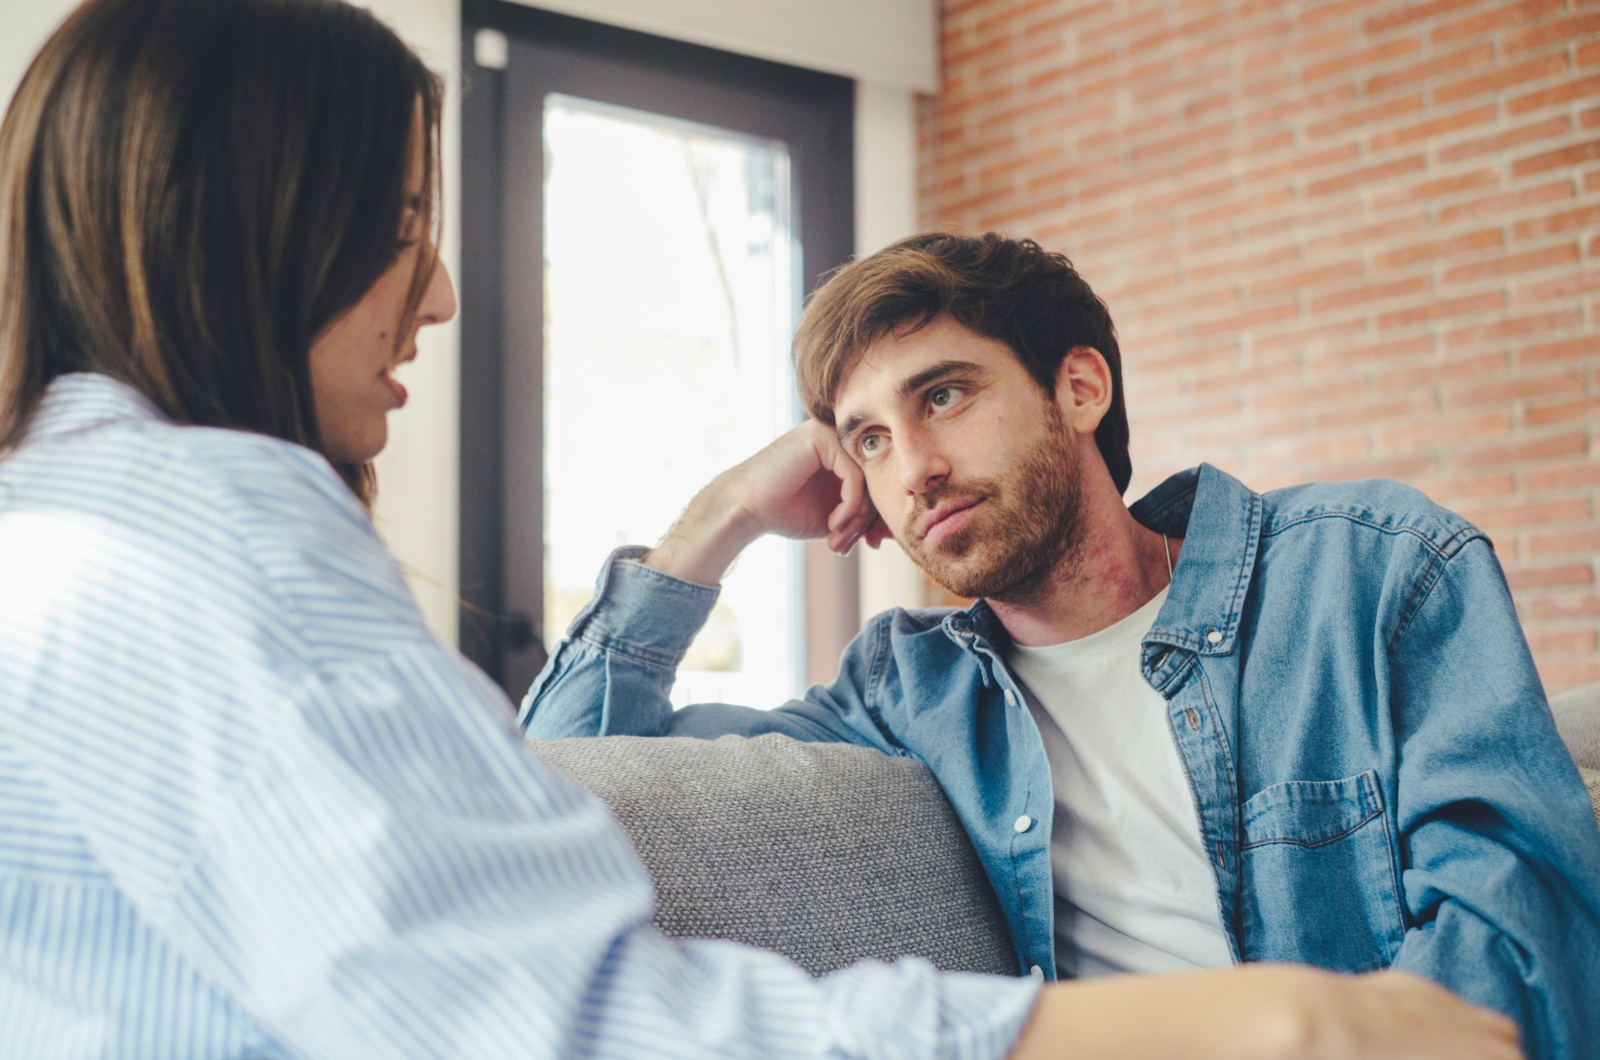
column 869, row 444
column 942, row 398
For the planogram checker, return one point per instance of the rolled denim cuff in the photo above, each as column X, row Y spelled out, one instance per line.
column 638, row 610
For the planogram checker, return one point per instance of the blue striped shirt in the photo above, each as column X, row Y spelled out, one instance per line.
column 249, row 807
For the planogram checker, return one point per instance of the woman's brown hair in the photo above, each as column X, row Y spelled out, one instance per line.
column 191, row 190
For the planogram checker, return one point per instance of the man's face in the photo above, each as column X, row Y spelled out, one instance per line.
column 969, row 463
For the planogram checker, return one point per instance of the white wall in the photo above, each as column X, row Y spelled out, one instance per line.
column 418, row 476
column 887, row 45
column 26, row 25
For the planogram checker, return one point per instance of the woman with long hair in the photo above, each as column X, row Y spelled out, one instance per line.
column 248, row 805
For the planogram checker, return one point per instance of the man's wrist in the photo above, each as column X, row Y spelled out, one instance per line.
column 705, row 540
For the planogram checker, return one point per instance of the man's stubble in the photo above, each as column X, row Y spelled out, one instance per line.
column 1023, row 534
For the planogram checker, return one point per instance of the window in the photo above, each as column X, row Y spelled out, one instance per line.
column 641, row 220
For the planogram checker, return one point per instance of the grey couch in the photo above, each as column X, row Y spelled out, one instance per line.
column 828, row 853
column 1578, row 718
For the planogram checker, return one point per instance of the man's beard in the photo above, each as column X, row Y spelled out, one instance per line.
column 1028, row 523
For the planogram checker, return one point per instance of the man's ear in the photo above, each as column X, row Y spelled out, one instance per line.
column 1083, row 388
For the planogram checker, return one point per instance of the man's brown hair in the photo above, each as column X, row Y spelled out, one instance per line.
column 1011, row 290
column 191, row 190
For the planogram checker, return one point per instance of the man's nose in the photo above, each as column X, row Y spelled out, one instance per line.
column 922, row 462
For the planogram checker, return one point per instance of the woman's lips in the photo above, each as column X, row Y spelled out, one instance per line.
column 397, row 389
column 941, row 524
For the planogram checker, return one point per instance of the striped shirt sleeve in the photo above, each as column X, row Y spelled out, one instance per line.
column 250, row 802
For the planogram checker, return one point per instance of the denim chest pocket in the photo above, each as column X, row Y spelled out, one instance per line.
column 1318, row 874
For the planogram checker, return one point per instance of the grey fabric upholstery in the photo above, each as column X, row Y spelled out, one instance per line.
column 1578, row 718
column 825, row 853
column 1591, row 780
column 829, row 853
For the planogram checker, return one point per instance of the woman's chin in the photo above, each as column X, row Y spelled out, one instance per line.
column 358, row 447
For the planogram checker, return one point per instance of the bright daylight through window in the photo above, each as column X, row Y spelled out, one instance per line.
column 671, row 293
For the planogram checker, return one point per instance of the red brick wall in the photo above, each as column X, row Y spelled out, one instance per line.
column 1339, row 239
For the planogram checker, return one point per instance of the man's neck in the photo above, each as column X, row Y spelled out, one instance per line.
column 1116, row 567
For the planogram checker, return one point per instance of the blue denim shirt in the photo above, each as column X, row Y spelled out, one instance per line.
column 1377, row 775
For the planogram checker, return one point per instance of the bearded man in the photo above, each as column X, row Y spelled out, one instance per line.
column 1213, row 727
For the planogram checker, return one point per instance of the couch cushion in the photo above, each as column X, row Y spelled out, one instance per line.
column 826, row 853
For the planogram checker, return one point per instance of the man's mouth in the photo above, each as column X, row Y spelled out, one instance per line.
column 946, row 519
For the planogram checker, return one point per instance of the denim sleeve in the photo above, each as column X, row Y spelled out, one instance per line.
column 612, row 674
column 1500, row 857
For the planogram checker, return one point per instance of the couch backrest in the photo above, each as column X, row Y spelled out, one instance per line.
column 1578, row 718
column 829, row 853
column 826, row 853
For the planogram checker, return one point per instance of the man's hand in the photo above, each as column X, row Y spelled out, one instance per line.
column 803, row 485
column 1271, row 1012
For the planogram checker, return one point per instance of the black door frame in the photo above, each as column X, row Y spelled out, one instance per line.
column 502, row 314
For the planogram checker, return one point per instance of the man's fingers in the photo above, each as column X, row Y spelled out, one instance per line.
column 854, row 513
column 877, row 531
column 850, row 496
column 804, row 485
column 859, row 524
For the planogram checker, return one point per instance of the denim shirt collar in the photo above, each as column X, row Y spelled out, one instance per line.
column 1219, row 519
column 978, row 619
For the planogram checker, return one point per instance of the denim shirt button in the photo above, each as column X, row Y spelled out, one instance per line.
column 1011, row 698
column 1036, row 973
column 1214, row 636
column 1023, row 823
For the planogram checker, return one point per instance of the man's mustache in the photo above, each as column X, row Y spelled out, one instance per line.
column 961, row 493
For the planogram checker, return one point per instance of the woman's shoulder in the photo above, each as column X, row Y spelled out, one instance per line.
column 269, row 479
column 207, row 508
column 147, row 470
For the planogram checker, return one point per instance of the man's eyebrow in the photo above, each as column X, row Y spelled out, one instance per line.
column 911, row 384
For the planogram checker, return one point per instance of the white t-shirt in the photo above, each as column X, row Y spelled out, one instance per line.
column 1134, row 890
